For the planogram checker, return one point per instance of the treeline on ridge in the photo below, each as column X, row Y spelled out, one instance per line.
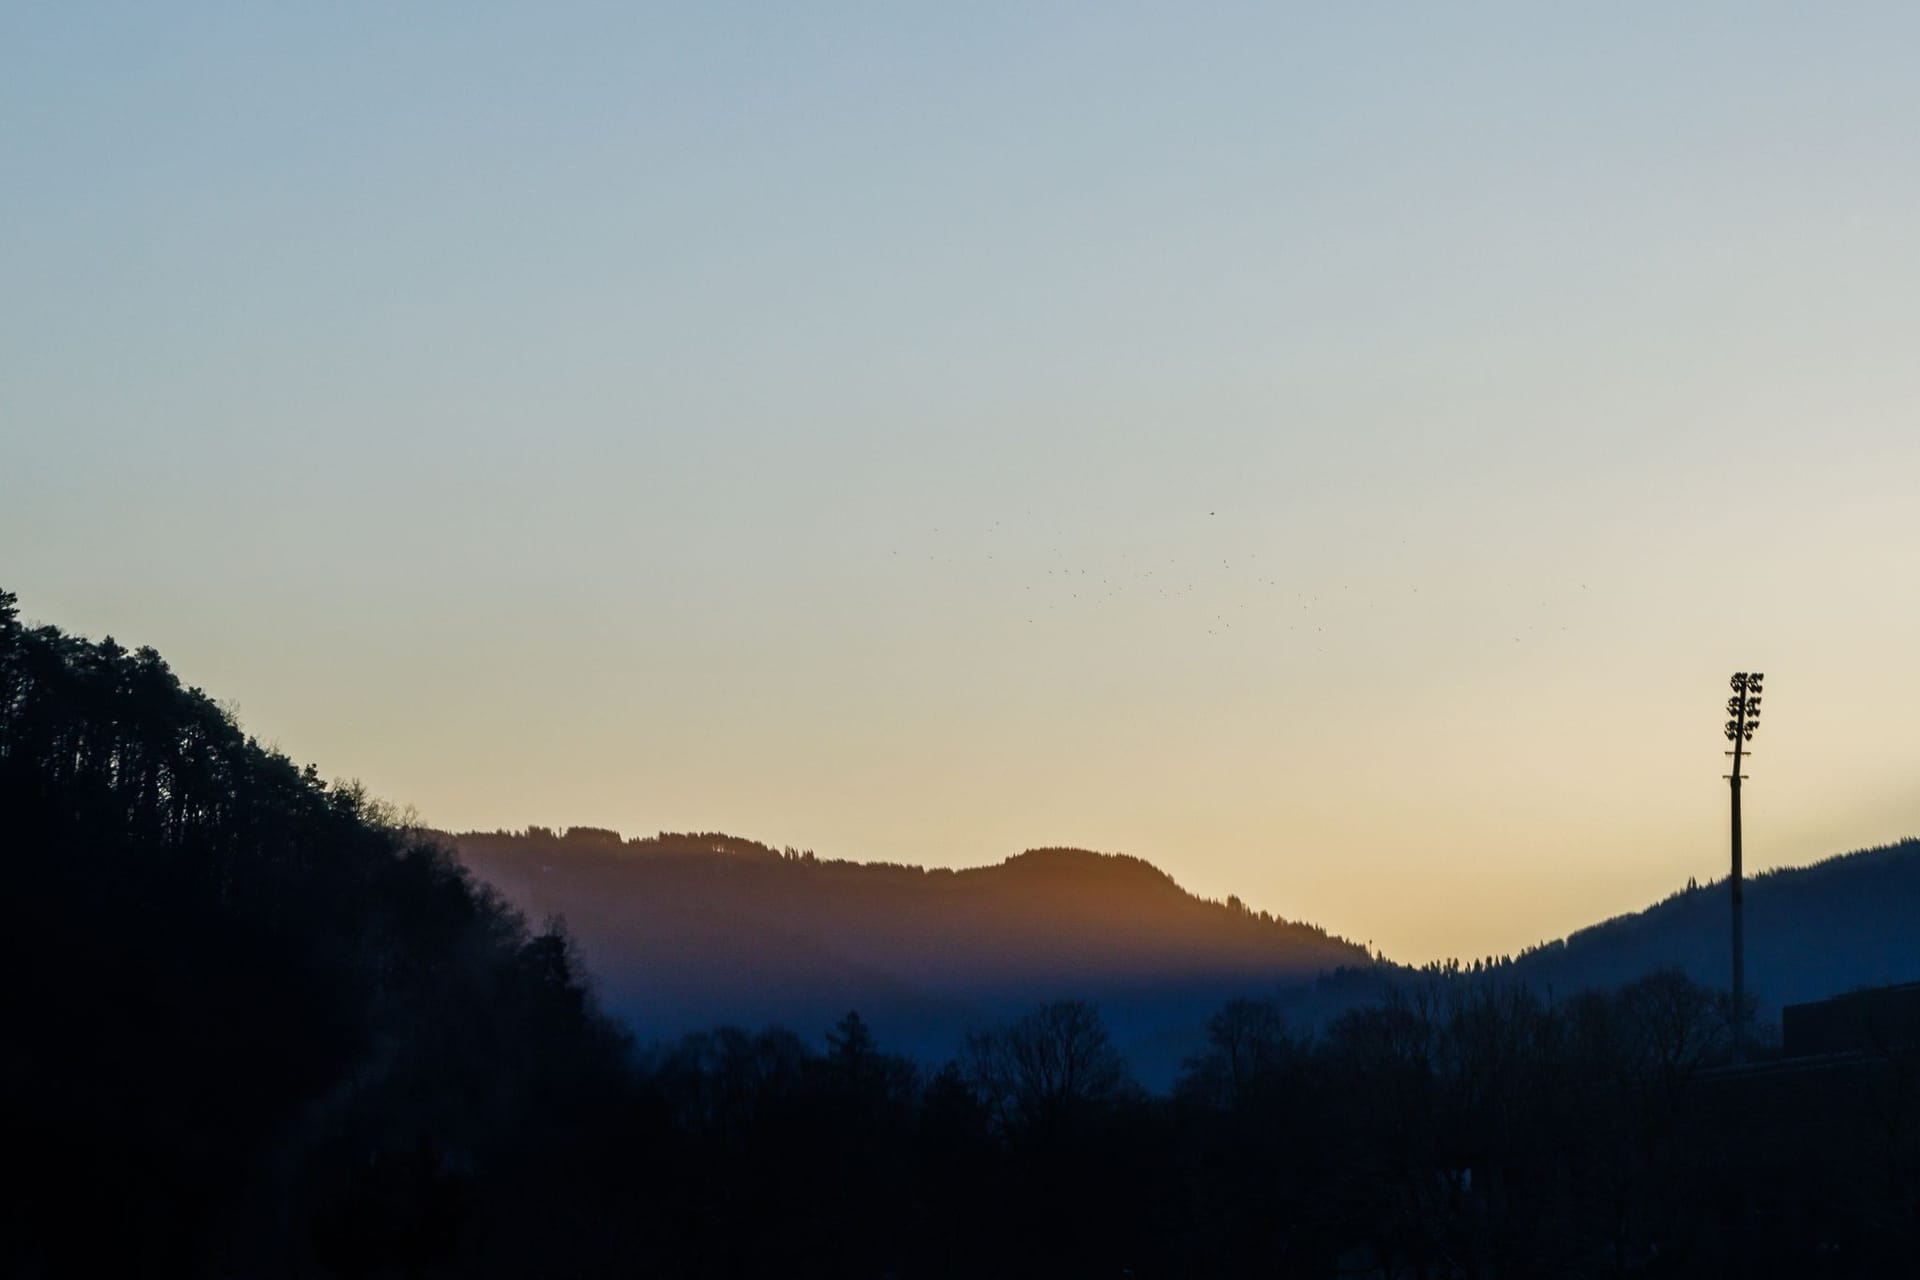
column 264, row 1029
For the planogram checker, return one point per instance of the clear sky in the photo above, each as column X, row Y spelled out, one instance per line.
column 1336, row 452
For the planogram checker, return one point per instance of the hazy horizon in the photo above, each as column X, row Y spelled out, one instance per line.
column 1336, row 457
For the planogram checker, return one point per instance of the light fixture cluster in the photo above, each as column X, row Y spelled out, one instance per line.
column 1744, row 706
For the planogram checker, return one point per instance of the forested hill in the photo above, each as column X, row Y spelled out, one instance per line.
column 685, row 930
column 256, row 1028
column 1848, row 921
column 253, row 1028
column 682, row 931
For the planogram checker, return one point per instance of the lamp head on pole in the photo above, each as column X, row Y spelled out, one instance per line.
column 1744, row 705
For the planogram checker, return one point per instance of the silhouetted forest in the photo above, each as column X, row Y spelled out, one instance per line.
column 259, row 1028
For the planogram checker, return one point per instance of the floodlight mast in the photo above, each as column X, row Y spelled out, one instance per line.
column 1744, row 708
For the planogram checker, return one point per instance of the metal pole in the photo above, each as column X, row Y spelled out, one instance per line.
column 1739, row 923
column 1744, row 708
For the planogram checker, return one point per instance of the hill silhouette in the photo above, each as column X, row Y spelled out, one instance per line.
column 1833, row 926
column 683, row 931
column 691, row 929
column 254, row 1027
column 259, row 1027
column 1845, row 922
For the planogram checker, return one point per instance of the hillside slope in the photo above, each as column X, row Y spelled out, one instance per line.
column 254, row 1028
column 683, row 931
column 1845, row 922
column 1848, row 921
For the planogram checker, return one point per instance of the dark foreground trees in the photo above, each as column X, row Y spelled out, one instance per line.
column 1456, row 1129
column 254, row 1027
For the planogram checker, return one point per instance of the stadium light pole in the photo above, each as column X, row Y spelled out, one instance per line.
column 1744, row 709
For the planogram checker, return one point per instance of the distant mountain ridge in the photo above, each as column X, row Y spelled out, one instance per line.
column 683, row 931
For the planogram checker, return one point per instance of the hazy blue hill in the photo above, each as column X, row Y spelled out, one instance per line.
column 1848, row 921
column 683, row 931
column 1845, row 922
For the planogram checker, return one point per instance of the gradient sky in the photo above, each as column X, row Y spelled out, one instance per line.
column 1336, row 452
